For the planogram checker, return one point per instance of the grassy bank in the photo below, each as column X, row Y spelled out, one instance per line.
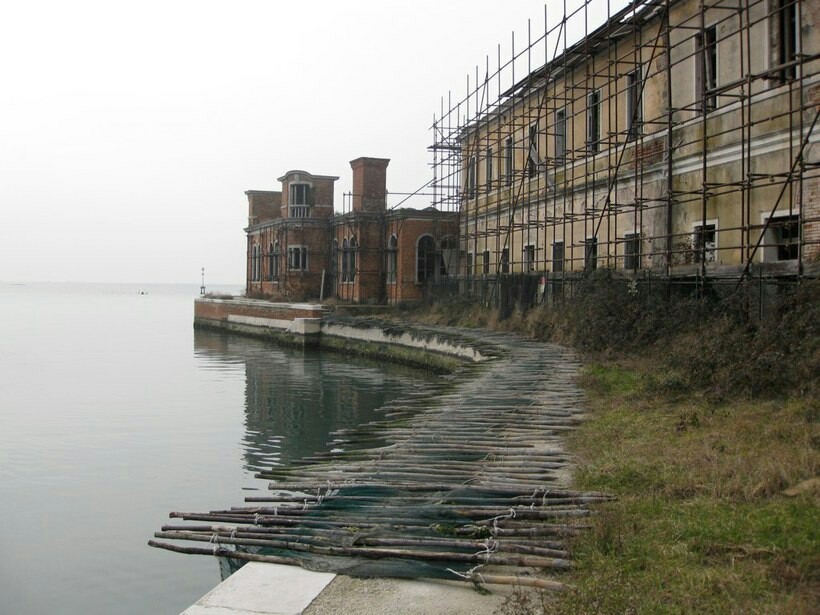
column 704, row 422
column 702, row 524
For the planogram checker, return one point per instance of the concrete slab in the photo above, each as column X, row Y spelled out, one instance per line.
column 266, row 589
column 346, row 595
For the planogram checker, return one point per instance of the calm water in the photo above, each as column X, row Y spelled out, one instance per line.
column 115, row 412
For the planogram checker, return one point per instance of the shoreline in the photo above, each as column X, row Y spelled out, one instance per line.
column 443, row 349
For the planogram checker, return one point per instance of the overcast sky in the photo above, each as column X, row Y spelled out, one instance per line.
column 129, row 131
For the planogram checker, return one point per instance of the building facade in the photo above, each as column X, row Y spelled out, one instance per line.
column 299, row 249
column 678, row 137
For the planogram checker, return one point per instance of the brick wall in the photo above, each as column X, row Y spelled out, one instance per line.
column 220, row 310
column 811, row 219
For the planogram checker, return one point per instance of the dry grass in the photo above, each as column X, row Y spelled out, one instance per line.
column 701, row 524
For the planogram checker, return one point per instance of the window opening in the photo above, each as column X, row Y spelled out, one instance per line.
column 782, row 237
column 273, row 265
column 529, row 258
column 787, row 39
column 299, row 200
column 471, row 171
column 632, row 249
column 505, row 260
column 558, row 256
column 704, row 243
column 594, row 121
column 392, row 259
column 509, row 160
column 532, row 149
column 706, row 43
column 591, row 253
column 298, row 258
column 488, row 169
column 351, row 268
column 560, row 134
column 345, row 250
column 425, row 259
column 634, row 113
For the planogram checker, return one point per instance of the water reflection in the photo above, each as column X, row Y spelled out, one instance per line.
column 295, row 398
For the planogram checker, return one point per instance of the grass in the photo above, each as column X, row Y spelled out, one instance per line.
column 701, row 524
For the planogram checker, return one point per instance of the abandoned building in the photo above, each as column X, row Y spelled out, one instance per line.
column 678, row 137
column 300, row 249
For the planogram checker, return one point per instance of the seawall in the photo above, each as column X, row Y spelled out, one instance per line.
column 314, row 326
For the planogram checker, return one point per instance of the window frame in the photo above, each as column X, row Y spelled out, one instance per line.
column 300, row 262
column 529, row 258
column 472, row 167
column 299, row 209
column 777, row 247
column 632, row 251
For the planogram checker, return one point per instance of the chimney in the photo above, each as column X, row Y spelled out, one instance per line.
column 369, row 184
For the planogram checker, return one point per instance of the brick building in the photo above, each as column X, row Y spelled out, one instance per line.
column 300, row 249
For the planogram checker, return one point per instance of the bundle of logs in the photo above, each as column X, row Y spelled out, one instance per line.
column 467, row 486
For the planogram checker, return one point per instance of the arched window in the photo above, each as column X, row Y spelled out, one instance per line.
column 254, row 263
column 259, row 263
column 425, row 259
column 344, row 260
column 275, row 261
column 392, row 259
column 270, row 261
column 352, row 265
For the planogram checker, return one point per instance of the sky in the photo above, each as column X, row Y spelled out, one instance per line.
column 129, row 131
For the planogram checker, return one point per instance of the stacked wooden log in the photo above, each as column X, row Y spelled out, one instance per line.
column 444, row 487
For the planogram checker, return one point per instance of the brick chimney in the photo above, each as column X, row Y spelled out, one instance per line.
column 369, row 184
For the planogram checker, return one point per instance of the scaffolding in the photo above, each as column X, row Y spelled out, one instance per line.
column 665, row 136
